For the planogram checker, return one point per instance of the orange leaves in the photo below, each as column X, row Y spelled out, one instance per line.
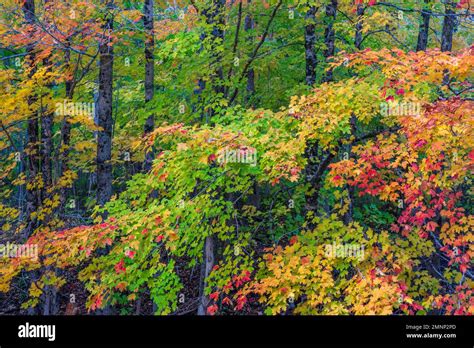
column 96, row 302
column 305, row 260
column 121, row 286
column 241, row 301
column 293, row 240
column 214, row 296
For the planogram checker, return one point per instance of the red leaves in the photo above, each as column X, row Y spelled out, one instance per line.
column 159, row 238
column 423, row 234
column 294, row 171
column 163, row 177
column 431, row 226
column 241, row 301
column 211, row 310
column 130, row 254
column 228, row 287
column 246, row 277
column 337, row 180
column 120, row 267
column 214, row 296
column 211, row 158
column 96, row 302
column 471, row 155
column 293, row 240
column 458, row 303
column 420, row 143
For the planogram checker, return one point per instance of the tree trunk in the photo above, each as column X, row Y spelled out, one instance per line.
column 359, row 26
column 33, row 199
column 149, row 73
column 216, row 18
column 249, row 24
column 104, row 106
column 65, row 134
column 46, row 148
column 309, row 42
column 423, row 32
column 206, row 268
column 448, row 29
column 329, row 35
column 447, row 35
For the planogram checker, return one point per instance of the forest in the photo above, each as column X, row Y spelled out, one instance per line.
column 236, row 157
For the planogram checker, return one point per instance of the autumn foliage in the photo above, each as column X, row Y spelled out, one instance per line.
column 351, row 196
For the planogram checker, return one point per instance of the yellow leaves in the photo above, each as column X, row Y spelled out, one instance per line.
column 84, row 145
column 172, row 235
column 35, row 290
column 326, row 114
column 368, row 297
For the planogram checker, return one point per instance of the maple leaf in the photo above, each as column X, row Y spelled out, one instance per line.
column 211, row 158
column 241, row 301
column 227, row 301
column 120, row 267
column 214, row 296
column 130, row 253
column 211, row 310
column 293, row 240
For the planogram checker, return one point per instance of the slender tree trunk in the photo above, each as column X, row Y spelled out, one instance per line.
column 149, row 73
column 249, row 24
column 65, row 133
column 206, row 268
column 46, row 148
column 47, row 128
column 448, row 29
column 33, row 199
column 329, row 35
column 423, row 32
column 347, row 148
column 104, row 138
column 359, row 26
column 447, row 35
column 309, row 43
column 216, row 18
